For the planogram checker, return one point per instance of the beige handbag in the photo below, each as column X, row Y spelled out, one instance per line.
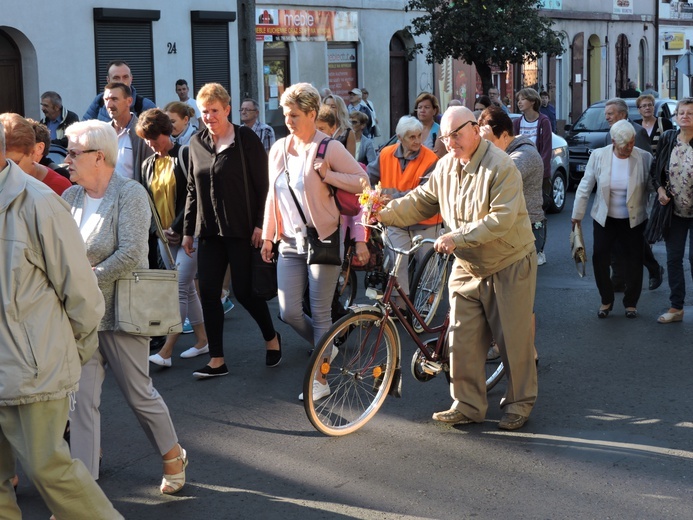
column 577, row 249
column 146, row 300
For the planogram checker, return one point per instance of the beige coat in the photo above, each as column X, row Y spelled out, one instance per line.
column 598, row 170
column 481, row 203
column 50, row 302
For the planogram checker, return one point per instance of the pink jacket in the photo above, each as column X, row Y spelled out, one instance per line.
column 342, row 172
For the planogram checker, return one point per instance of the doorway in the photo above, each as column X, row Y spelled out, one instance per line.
column 11, row 98
column 399, row 81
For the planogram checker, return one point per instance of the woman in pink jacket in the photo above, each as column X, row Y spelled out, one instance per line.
column 293, row 167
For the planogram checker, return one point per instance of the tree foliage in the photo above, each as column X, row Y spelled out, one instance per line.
column 484, row 32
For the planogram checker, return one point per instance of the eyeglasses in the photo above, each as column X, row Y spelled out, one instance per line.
column 73, row 154
column 646, row 105
column 455, row 133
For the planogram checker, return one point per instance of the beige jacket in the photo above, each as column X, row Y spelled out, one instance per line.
column 598, row 170
column 50, row 304
column 481, row 203
column 342, row 172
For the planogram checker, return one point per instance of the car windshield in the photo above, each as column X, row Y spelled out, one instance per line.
column 592, row 120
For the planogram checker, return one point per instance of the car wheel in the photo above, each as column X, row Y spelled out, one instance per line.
column 559, row 186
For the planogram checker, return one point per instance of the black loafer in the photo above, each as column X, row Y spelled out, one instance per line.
column 208, row 371
column 631, row 314
column 603, row 313
column 656, row 281
column 273, row 357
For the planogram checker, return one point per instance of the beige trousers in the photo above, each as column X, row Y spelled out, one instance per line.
column 33, row 433
column 498, row 307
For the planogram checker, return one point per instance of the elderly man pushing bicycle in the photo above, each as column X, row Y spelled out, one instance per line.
column 478, row 190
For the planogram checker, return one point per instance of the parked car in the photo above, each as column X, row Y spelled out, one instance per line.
column 559, row 169
column 591, row 130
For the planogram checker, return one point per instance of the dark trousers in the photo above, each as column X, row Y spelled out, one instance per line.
column 214, row 254
column 681, row 229
column 648, row 260
column 618, row 231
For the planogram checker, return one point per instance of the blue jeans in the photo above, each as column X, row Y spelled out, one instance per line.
column 675, row 241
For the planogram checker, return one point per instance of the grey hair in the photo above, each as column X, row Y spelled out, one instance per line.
column 408, row 124
column 96, row 135
column 622, row 132
column 619, row 104
column 256, row 105
column 2, row 140
column 54, row 98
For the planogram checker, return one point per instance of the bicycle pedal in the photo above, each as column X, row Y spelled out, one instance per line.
column 431, row 368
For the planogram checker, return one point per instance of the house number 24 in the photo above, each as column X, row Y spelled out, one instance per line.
column 171, row 47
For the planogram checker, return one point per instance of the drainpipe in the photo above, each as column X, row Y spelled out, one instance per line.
column 658, row 67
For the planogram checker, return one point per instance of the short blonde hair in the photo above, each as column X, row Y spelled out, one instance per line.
column 95, row 135
column 302, row 95
column 212, row 92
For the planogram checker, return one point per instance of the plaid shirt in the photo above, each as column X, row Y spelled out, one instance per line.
column 265, row 133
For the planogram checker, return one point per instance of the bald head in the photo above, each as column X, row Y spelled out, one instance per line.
column 460, row 132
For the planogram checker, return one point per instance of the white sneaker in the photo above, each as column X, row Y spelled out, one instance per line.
column 319, row 391
column 192, row 352
column 541, row 258
column 158, row 360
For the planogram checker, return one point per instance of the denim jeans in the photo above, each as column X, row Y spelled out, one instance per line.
column 681, row 228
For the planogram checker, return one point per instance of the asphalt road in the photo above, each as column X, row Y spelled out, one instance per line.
column 611, row 435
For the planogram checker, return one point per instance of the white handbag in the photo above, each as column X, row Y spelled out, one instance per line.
column 146, row 300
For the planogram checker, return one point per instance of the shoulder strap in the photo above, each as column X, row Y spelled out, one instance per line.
column 322, row 147
column 288, row 179
column 659, row 124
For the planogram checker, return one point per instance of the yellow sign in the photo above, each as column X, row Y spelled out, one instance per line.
column 673, row 41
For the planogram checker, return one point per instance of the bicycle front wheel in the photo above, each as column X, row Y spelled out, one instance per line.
column 358, row 370
column 428, row 286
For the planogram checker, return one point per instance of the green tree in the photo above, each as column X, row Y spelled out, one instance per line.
column 484, row 32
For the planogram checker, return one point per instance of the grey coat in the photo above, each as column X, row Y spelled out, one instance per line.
column 114, row 250
column 524, row 154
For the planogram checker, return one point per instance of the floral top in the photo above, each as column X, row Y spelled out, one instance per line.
column 681, row 179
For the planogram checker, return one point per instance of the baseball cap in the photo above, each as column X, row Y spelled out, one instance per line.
column 355, row 91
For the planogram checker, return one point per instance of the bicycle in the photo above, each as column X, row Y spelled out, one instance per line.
column 360, row 359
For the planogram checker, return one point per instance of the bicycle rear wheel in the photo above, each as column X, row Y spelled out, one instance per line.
column 358, row 369
column 495, row 370
column 428, row 286
column 346, row 288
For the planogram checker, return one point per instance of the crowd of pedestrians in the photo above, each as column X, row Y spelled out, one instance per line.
column 224, row 191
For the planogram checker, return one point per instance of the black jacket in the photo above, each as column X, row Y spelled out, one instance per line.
column 659, row 172
column 216, row 199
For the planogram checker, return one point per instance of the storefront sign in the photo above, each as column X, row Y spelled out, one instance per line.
column 341, row 68
column 306, row 25
column 673, row 41
column 623, row 7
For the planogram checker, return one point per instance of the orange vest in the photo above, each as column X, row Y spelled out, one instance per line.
column 392, row 176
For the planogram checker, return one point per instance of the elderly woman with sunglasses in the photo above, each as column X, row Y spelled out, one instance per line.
column 110, row 210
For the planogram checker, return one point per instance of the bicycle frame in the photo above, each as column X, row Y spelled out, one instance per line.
column 386, row 305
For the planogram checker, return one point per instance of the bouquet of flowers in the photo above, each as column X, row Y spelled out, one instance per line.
column 372, row 201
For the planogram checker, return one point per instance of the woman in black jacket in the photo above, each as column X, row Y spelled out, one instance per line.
column 227, row 187
column 164, row 174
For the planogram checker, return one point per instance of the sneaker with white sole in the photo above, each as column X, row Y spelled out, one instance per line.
column 228, row 305
column 193, row 352
column 158, row 360
column 187, row 328
column 319, row 391
column 541, row 258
